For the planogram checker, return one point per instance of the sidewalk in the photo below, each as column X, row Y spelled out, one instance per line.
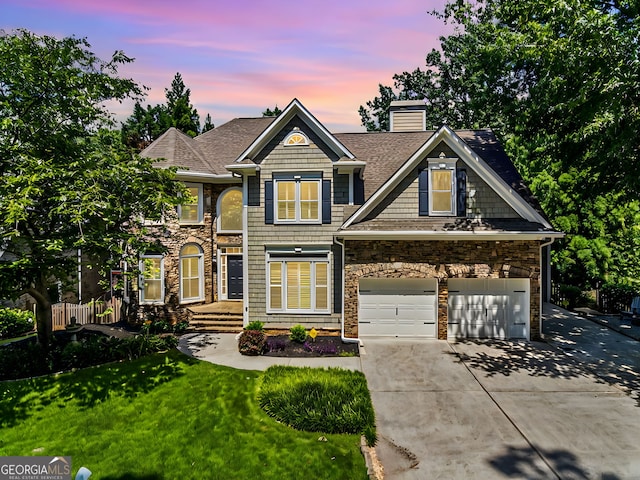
column 222, row 349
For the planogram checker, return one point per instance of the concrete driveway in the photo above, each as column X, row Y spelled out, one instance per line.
column 480, row 410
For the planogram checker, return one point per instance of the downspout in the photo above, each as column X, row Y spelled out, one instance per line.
column 542, row 245
column 342, row 337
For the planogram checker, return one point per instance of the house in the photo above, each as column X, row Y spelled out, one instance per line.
column 411, row 232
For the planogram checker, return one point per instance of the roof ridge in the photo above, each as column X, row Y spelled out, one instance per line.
column 192, row 144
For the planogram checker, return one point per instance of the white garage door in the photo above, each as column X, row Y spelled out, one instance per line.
column 488, row 308
column 402, row 307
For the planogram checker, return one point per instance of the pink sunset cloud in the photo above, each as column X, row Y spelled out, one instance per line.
column 241, row 57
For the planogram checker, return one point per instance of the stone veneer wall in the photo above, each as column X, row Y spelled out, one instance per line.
column 441, row 260
column 174, row 236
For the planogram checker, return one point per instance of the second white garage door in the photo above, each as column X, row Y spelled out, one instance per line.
column 488, row 308
column 402, row 307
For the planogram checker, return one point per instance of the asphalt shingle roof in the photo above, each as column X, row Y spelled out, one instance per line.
column 383, row 152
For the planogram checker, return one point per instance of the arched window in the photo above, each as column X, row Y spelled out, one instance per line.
column 296, row 137
column 191, row 273
column 230, row 211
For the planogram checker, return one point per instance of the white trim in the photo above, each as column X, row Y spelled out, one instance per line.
column 223, row 279
column 142, row 279
column 219, row 228
column 242, row 169
column 190, row 176
column 200, row 205
column 441, row 235
column 294, row 108
column 471, row 159
column 291, row 258
column 245, row 251
column 348, row 166
column 200, row 257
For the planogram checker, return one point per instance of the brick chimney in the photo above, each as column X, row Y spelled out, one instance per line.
column 407, row 116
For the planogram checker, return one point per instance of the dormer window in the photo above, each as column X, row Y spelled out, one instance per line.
column 296, row 138
column 442, row 189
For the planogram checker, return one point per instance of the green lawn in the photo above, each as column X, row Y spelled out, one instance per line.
column 165, row 416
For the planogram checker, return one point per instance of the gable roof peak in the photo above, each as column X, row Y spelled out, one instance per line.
column 295, row 108
column 468, row 145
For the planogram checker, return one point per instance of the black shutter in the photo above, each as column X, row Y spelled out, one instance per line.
column 423, row 192
column 268, row 201
column 358, row 189
column 326, row 201
column 253, row 199
column 461, row 192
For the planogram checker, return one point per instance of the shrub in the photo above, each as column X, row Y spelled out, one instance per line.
column 570, row 295
column 329, row 400
column 252, row 342
column 256, row 325
column 28, row 359
column 298, row 334
column 14, row 322
column 180, row 327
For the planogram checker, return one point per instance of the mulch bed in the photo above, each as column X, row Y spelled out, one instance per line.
column 322, row 346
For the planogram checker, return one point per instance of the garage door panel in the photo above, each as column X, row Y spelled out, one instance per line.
column 397, row 307
column 488, row 308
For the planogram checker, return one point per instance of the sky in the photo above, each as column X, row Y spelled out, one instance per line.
column 239, row 57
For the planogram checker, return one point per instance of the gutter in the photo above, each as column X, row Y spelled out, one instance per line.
column 541, row 306
column 444, row 235
column 342, row 337
column 205, row 177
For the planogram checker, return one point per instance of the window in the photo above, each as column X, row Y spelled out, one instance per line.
column 191, row 273
column 298, row 285
column 296, row 138
column 230, row 211
column 298, row 201
column 151, row 279
column 441, row 191
column 442, row 187
column 192, row 210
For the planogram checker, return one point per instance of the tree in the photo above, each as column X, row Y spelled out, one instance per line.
column 67, row 181
column 182, row 114
column 208, row 124
column 272, row 113
column 560, row 83
column 146, row 124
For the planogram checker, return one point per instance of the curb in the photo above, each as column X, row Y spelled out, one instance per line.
column 375, row 470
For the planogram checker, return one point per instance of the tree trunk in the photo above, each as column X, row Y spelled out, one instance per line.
column 43, row 313
column 44, row 322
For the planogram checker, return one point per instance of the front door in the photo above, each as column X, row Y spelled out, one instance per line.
column 234, row 277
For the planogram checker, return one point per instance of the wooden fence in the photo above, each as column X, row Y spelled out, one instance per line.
column 93, row 312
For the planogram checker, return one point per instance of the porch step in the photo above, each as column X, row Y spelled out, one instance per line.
column 220, row 317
